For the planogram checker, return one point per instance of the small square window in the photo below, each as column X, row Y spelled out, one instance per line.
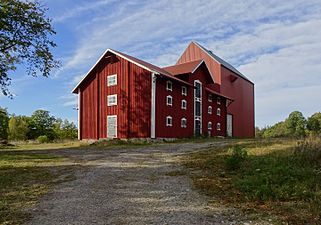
column 184, row 104
column 183, row 123
column 169, row 85
column 111, row 100
column 169, row 121
column 218, row 111
column 218, row 126
column 112, row 80
column 169, row 100
column 184, row 91
column 209, row 110
column 210, row 97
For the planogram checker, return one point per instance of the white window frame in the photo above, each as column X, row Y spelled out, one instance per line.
column 110, row 77
column 111, row 103
column 218, row 100
column 184, row 104
column 171, row 100
column 210, row 98
column 209, row 125
column 171, row 121
column 218, row 111
column 183, row 123
column 169, row 85
column 184, row 90
column 218, row 126
column 209, row 110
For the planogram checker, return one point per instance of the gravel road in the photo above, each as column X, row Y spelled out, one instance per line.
column 130, row 186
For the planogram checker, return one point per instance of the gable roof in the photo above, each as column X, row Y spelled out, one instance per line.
column 222, row 61
column 219, row 94
column 188, row 67
column 145, row 65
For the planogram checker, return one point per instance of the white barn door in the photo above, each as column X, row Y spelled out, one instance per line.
column 112, row 126
column 229, row 125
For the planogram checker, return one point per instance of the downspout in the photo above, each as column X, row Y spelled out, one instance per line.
column 153, row 107
column 79, row 113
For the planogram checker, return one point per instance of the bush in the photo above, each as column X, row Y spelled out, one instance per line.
column 43, row 139
column 236, row 157
column 309, row 149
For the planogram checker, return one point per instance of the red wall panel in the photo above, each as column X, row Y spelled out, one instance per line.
column 241, row 91
column 132, row 110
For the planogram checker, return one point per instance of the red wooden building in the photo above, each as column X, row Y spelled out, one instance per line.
column 124, row 97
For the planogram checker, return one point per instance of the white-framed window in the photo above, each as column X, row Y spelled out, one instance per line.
column 218, row 111
column 169, row 121
column 184, row 91
column 183, row 122
column 169, row 85
column 184, row 104
column 169, row 100
column 218, row 126
column 112, row 80
column 210, row 97
column 209, row 125
column 209, row 110
column 112, row 100
column 218, row 100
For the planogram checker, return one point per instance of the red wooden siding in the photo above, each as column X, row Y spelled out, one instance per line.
column 241, row 90
column 175, row 111
column 133, row 100
column 242, row 108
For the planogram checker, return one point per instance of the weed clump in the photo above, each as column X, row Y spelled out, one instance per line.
column 237, row 155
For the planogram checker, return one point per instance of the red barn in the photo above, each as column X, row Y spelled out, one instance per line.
column 124, row 97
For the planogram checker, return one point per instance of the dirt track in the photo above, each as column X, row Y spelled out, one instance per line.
column 130, row 186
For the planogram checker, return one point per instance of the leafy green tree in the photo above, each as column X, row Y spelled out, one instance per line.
column 296, row 124
column 18, row 128
column 314, row 123
column 41, row 123
column 4, row 120
column 24, row 39
column 277, row 130
column 65, row 129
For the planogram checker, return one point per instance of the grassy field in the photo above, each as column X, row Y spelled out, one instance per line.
column 25, row 176
column 274, row 179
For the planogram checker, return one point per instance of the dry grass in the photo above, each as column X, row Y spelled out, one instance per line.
column 24, row 178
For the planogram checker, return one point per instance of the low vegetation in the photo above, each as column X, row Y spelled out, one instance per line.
column 273, row 179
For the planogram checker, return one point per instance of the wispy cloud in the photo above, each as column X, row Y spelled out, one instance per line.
column 274, row 43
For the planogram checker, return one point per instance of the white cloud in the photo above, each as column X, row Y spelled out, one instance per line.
column 274, row 43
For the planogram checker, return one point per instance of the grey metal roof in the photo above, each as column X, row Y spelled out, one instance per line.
column 223, row 62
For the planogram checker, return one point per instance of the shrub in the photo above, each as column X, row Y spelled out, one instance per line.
column 43, row 139
column 309, row 149
column 236, row 157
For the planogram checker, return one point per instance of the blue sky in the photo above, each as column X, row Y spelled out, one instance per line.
column 277, row 44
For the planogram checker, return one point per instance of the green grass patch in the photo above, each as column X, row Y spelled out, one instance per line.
column 24, row 178
column 262, row 177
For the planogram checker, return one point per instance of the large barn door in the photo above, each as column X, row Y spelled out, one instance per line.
column 229, row 125
column 112, row 126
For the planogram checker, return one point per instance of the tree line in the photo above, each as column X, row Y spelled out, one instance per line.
column 296, row 125
column 41, row 126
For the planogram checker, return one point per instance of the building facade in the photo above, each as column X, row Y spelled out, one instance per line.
column 124, row 97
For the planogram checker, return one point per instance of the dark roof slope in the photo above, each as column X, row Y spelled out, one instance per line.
column 183, row 68
column 223, row 62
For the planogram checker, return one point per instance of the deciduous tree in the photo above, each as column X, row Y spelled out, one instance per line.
column 25, row 33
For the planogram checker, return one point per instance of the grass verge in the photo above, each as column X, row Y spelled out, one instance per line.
column 24, row 178
column 269, row 181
